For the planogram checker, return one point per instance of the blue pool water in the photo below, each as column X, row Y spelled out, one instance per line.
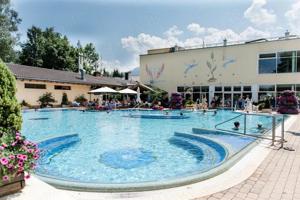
column 114, row 148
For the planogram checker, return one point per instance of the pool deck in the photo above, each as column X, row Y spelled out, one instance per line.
column 264, row 173
column 277, row 177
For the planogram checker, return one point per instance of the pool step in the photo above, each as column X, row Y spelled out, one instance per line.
column 51, row 147
column 233, row 142
column 199, row 147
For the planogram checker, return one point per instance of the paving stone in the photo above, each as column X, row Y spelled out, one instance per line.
column 277, row 177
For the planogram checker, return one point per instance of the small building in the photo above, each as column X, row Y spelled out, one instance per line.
column 227, row 70
column 32, row 82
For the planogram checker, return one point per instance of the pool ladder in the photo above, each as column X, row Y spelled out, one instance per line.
column 281, row 140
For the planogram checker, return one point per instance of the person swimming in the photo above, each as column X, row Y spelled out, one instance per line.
column 259, row 126
column 181, row 113
column 236, row 125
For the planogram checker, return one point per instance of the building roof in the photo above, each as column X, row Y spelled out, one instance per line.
column 225, row 43
column 51, row 75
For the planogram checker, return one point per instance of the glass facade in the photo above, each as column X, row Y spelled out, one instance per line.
column 286, row 62
column 267, row 63
column 194, row 93
column 281, row 62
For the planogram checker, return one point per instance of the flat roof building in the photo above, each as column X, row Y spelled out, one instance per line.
column 229, row 70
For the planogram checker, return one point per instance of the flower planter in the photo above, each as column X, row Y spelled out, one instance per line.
column 12, row 186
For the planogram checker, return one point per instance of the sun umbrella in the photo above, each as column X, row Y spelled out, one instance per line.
column 138, row 98
column 104, row 90
column 127, row 91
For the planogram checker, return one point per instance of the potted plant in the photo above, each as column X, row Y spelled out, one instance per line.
column 46, row 100
column 17, row 155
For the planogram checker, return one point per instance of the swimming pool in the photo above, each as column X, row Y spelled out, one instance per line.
column 123, row 149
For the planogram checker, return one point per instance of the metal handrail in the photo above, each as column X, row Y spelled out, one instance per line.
column 258, row 136
column 228, row 120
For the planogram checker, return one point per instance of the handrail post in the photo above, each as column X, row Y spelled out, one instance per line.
column 245, row 123
column 273, row 129
column 282, row 132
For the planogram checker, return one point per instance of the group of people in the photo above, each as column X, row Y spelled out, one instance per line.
column 201, row 104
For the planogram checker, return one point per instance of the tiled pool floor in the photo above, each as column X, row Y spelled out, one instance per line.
column 276, row 177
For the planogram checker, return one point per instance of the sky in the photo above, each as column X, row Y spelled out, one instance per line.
column 123, row 29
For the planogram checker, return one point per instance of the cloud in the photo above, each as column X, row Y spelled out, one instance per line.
column 110, row 65
column 293, row 17
column 196, row 28
column 252, row 33
column 259, row 15
column 143, row 41
column 173, row 32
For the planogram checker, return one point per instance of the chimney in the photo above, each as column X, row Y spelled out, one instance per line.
column 225, row 42
column 287, row 33
column 80, row 63
column 82, row 71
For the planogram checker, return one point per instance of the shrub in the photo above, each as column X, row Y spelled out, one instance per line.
column 64, row 100
column 46, row 99
column 10, row 109
column 80, row 99
column 17, row 155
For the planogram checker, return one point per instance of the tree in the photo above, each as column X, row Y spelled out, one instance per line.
column 104, row 72
column 10, row 110
column 90, row 56
column 48, row 49
column 116, row 73
column 9, row 21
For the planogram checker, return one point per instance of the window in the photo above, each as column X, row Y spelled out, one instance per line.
column 196, row 89
column 218, row 88
column 281, row 88
column 180, row 89
column 204, row 89
column 35, row 86
column 286, row 62
column 62, row 87
column 267, row 88
column 227, row 88
column 188, row 89
column 237, row 88
column 247, row 88
column 267, row 63
column 298, row 61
